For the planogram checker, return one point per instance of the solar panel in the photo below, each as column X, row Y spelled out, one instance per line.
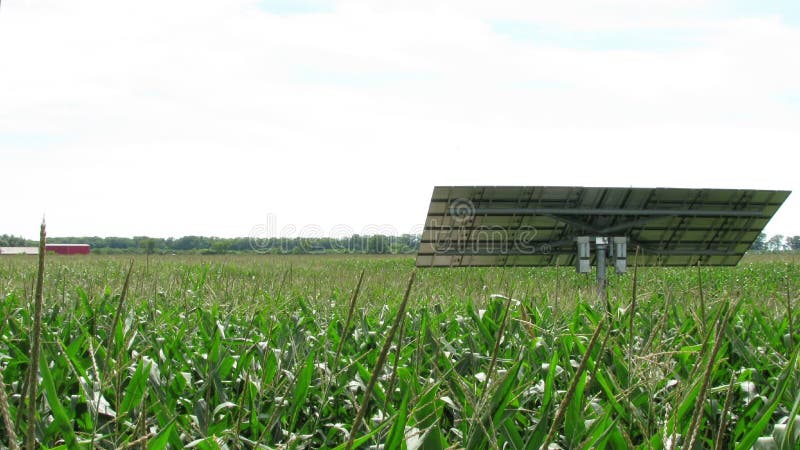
column 557, row 225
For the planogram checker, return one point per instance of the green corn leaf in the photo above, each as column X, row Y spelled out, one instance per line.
column 791, row 432
column 756, row 429
column 61, row 420
column 426, row 417
column 494, row 417
column 378, row 392
column 599, row 433
column 270, row 367
column 574, row 426
column 488, row 338
column 359, row 441
column 676, row 424
column 136, row 388
column 539, row 432
column 162, row 438
column 426, row 412
column 396, row 438
column 301, row 389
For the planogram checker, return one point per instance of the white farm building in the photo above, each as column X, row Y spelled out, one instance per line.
column 19, row 250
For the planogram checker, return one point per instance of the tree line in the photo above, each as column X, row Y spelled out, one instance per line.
column 776, row 243
column 375, row 244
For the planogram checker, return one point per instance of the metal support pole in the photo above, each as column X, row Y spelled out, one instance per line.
column 582, row 262
column 600, row 249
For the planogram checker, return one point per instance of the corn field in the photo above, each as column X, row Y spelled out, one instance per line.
column 296, row 352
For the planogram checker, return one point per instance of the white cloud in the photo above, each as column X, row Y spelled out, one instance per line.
column 173, row 118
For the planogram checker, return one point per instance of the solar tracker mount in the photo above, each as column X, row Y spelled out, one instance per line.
column 563, row 225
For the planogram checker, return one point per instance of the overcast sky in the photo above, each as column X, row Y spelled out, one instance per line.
column 227, row 118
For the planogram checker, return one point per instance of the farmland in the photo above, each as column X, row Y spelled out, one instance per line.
column 293, row 352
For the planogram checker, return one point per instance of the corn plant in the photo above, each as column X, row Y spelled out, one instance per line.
column 337, row 351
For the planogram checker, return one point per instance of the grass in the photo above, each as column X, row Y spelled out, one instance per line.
column 300, row 352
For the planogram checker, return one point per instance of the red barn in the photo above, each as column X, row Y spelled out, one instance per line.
column 68, row 249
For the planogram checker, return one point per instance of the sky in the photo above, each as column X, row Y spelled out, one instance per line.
column 328, row 118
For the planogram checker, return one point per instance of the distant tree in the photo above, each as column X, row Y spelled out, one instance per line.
column 119, row 242
column 775, row 243
column 308, row 245
column 8, row 240
column 191, row 243
column 356, row 244
column 406, row 243
column 793, row 242
column 240, row 244
column 760, row 244
column 95, row 242
column 378, row 244
column 149, row 245
column 220, row 246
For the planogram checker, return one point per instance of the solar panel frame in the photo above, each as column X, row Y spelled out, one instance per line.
column 537, row 225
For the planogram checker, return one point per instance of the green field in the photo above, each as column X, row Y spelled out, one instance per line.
column 261, row 352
